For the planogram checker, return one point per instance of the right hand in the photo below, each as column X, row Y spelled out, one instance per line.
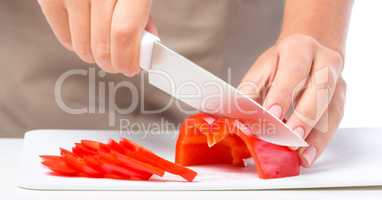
column 106, row 32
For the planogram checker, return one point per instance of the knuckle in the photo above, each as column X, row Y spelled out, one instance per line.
column 299, row 65
column 310, row 45
column 309, row 42
column 325, row 77
column 335, row 59
column 284, row 46
column 298, row 40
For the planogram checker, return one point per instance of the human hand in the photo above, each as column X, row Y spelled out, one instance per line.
column 299, row 80
column 107, row 32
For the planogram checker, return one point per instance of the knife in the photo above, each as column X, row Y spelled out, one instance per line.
column 186, row 81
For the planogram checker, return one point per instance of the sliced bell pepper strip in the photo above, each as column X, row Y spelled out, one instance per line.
column 58, row 165
column 136, row 164
column 126, row 173
column 116, row 147
column 79, row 164
column 81, row 150
column 142, row 154
column 91, row 144
column 95, row 162
column 120, row 160
column 110, row 158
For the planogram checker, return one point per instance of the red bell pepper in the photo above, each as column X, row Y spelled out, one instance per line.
column 205, row 139
column 58, row 165
column 119, row 160
column 272, row 161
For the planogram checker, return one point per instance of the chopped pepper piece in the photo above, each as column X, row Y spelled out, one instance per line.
column 205, row 139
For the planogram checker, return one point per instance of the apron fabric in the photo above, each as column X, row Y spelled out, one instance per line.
column 216, row 34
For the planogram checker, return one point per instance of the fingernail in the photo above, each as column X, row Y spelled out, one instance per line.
column 275, row 110
column 300, row 131
column 309, row 155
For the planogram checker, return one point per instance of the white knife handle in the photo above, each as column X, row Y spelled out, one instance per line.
column 147, row 44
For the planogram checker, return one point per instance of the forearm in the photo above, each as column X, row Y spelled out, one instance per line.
column 324, row 20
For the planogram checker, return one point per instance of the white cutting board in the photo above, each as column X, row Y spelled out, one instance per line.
column 354, row 158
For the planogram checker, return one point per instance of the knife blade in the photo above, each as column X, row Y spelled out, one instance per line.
column 186, row 81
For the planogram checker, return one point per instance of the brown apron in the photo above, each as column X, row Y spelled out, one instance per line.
column 216, row 34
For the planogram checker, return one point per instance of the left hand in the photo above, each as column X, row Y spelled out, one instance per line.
column 299, row 80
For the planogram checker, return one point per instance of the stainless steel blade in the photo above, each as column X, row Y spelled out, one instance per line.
column 195, row 86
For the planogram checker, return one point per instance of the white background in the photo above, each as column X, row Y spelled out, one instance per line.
column 363, row 66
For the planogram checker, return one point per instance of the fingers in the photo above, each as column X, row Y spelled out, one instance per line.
column 255, row 82
column 79, row 23
column 295, row 61
column 107, row 32
column 57, row 17
column 128, row 23
column 305, row 78
column 101, row 16
column 320, row 136
column 318, row 93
